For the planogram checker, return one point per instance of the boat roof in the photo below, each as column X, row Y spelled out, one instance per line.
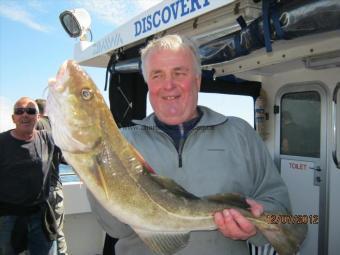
column 161, row 17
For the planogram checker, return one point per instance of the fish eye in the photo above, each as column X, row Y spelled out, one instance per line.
column 86, row 94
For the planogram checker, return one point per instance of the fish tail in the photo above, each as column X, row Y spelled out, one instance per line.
column 286, row 238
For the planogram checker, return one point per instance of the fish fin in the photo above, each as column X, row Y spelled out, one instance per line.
column 233, row 199
column 164, row 243
column 140, row 158
column 285, row 238
column 98, row 173
column 172, row 186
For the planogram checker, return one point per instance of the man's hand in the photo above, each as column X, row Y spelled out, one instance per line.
column 234, row 225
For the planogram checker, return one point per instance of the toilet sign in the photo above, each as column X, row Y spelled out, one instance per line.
column 296, row 165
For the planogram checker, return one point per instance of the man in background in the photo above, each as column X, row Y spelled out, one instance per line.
column 56, row 193
column 43, row 122
column 25, row 159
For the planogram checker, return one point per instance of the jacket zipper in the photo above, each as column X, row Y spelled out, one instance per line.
column 180, row 145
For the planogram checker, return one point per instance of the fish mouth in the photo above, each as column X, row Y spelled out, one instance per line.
column 58, row 82
column 64, row 128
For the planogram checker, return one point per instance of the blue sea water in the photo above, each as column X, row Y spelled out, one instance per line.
column 67, row 174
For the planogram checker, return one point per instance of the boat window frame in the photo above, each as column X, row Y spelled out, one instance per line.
column 335, row 124
column 303, row 131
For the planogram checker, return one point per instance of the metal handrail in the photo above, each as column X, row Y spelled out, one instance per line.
column 67, row 174
column 335, row 131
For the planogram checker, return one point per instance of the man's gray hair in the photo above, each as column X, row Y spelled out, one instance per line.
column 171, row 42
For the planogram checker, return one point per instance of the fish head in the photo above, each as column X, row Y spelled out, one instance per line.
column 74, row 107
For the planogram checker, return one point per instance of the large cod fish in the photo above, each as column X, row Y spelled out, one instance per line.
column 160, row 211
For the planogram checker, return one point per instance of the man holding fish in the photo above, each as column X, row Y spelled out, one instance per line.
column 178, row 185
column 204, row 164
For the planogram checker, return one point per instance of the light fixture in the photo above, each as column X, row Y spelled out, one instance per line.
column 324, row 61
column 76, row 23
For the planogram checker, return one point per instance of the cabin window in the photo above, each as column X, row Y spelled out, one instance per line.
column 229, row 105
column 300, row 124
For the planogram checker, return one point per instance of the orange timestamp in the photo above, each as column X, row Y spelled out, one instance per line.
column 292, row 219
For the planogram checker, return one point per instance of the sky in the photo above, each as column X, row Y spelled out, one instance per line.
column 33, row 43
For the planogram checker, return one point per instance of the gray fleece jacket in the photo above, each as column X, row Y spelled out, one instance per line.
column 220, row 155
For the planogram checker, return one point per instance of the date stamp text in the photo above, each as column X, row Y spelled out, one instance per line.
column 292, row 219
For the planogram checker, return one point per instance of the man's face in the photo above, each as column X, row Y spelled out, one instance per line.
column 173, row 85
column 24, row 117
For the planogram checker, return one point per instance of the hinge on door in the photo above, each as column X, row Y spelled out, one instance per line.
column 276, row 109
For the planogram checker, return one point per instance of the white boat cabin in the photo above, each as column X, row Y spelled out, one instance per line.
column 284, row 56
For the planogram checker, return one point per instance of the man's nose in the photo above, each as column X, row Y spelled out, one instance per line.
column 169, row 83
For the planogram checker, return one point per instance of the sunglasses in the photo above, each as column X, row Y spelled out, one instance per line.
column 20, row 111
